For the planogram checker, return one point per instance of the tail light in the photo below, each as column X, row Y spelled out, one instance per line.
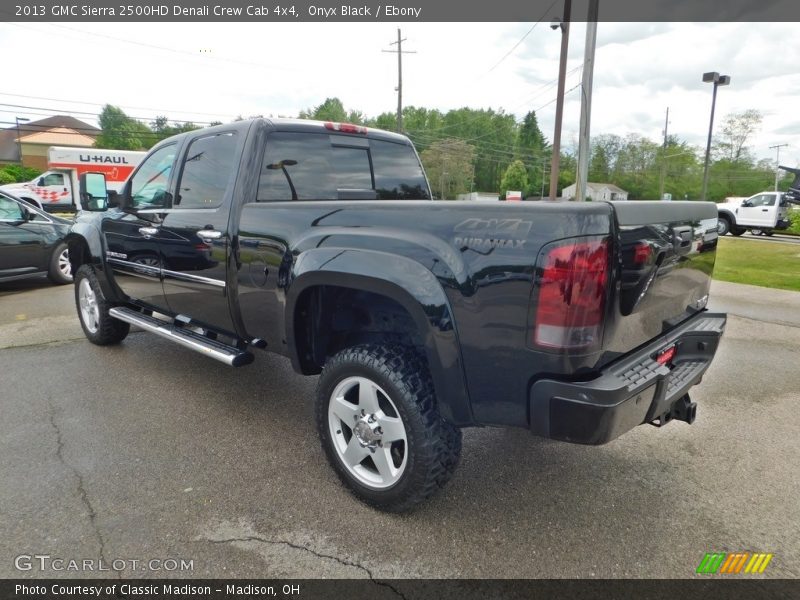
column 572, row 295
column 345, row 127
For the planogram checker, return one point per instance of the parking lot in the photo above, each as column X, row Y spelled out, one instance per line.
column 149, row 451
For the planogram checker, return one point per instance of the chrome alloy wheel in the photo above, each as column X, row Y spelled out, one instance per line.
column 64, row 266
column 367, row 432
column 90, row 312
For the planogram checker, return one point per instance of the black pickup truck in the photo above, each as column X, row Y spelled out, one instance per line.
column 320, row 241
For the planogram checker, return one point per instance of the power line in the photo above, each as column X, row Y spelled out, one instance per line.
column 94, row 114
column 157, row 110
column 522, row 39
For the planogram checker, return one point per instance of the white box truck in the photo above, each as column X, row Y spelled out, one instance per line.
column 55, row 189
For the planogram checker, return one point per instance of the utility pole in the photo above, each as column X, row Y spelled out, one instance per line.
column 586, row 101
column 663, row 177
column 555, row 163
column 399, row 87
column 777, row 148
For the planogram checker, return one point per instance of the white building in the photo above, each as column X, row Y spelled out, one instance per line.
column 598, row 191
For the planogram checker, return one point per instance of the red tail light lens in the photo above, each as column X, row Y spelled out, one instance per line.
column 572, row 295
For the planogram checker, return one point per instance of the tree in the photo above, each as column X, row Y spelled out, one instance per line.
column 736, row 129
column 515, row 178
column 121, row 132
column 449, row 164
column 533, row 150
column 162, row 129
column 330, row 110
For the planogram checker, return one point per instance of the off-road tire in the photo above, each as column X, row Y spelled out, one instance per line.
column 433, row 446
column 107, row 330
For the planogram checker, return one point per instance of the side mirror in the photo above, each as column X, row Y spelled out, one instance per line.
column 93, row 192
column 747, row 204
column 40, row 183
column 29, row 215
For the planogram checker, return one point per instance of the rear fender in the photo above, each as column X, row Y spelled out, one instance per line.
column 412, row 286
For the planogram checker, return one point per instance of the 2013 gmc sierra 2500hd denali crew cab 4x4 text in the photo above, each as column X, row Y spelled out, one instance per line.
column 320, row 241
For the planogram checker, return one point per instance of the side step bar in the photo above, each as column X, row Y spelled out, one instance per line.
column 185, row 337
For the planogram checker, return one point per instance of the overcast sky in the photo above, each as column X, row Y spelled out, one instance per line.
column 206, row 72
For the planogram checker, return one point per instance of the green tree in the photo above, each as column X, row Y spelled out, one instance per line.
column 449, row 165
column 532, row 149
column 514, row 178
column 121, row 132
column 162, row 129
column 737, row 128
column 330, row 110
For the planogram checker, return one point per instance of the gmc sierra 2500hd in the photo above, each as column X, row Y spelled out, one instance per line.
column 320, row 241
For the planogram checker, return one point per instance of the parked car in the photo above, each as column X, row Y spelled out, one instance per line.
column 32, row 242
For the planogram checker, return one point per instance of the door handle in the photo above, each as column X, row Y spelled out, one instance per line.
column 148, row 231
column 764, row 209
column 209, row 234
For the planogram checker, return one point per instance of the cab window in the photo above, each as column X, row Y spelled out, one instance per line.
column 150, row 183
column 53, row 179
column 207, row 171
column 311, row 166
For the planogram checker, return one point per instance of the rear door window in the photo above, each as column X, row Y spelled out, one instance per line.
column 303, row 166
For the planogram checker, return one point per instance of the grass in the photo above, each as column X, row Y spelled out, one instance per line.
column 767, row 264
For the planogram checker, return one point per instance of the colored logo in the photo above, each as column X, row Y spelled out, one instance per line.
column 734, row 563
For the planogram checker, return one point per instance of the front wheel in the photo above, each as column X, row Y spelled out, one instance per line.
column 379, row 427
column 99, row 327
column 723, row 226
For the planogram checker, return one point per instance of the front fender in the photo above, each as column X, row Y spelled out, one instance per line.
column 412, row 286
column 86, row 247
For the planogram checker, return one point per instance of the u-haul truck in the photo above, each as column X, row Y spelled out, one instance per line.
column 55, row 189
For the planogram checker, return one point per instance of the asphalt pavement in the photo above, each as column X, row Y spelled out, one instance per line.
column 148, row 451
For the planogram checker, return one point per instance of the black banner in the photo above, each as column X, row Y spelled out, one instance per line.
column 292, row 11
column 716, row 588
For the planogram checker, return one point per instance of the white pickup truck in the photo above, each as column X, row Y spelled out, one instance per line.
column 761, row 214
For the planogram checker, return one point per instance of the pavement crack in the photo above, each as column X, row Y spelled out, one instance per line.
column 81, row 486
column 342, row 561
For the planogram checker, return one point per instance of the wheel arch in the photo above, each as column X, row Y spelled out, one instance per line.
column 724, row 213
column 398, row 280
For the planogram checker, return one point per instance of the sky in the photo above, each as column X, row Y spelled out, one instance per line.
column 204, row 72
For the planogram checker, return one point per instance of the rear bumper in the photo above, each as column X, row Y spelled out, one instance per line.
column 635, row 389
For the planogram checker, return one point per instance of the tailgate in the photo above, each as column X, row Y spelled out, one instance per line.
column 666, row 259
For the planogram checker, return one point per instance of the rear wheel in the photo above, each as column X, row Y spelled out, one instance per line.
column 99, row 327
column 60, row 270
column 379, row 427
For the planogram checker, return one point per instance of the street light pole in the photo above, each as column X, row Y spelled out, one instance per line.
column 19, row 142
column 717, row 80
